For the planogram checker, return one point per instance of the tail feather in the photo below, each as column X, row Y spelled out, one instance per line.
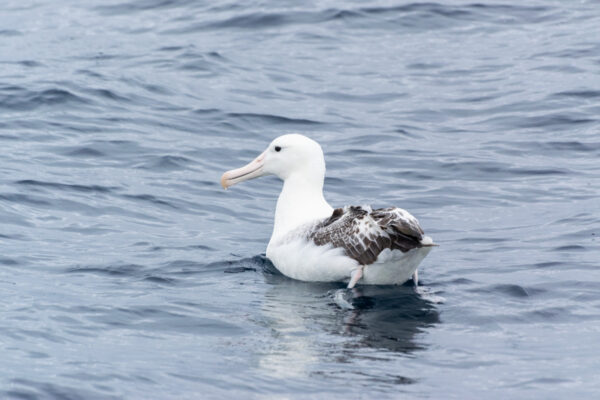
column 428, row 242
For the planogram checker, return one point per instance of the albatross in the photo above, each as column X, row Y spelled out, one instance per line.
column 312, row 241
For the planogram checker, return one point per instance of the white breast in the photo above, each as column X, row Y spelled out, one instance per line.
column 303, row 260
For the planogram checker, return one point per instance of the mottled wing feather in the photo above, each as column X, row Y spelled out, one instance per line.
column 364, row 233
column 404, row 229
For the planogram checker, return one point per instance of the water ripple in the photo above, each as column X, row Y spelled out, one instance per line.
column 21, row 99
column 122, row 255
column 63, row 186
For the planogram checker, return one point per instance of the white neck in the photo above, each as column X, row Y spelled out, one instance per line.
column 301, row 201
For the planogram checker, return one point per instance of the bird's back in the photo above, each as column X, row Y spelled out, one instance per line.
column 364, row 233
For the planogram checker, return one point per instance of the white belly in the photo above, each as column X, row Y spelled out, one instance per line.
column 303, row 260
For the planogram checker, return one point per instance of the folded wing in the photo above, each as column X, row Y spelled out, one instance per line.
column 364, row 233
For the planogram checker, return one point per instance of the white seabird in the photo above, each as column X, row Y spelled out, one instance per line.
column 313, row 242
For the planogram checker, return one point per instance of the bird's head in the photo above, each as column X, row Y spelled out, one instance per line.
column 287, row 156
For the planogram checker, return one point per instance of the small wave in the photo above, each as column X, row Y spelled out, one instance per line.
column 92, row 74
column 569, row 54
column 553, row 120
column 370, row 140
column 191, row 247
column 150, row 199
column 556, row 122
column 111, row 270
column 30, row 389
column 10, row 32
column 461, row 281
column 138, row 6
column 575, row 146
column 511, row 290
column 28, row 63
column 23, row 198
column 8, row 261
column 64, row 186
column 237, row 270
column 107, row 94
column 484, row 170
column 255, row 20
column 585, row 94
column 252, row 264
column 271, row 119
column 483, row 240
column 539, row 171
column 12, row 237
column 424, row 66
column 570, row 248
column 547, row 314
column 84, row 152
column 160, row 280
column 206, row 111
column 548, row 264
column 422, row 16
column 360, row 98
column 171, row 48
column 164, row 319
column 166, row 163
column 21, row 99
column 134, row 271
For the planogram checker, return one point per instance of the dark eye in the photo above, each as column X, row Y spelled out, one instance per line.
column 277, row 148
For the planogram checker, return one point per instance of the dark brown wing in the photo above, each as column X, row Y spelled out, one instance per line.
column 404, row 229
column 364, row 233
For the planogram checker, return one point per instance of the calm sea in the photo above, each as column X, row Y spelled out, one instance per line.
column 126, row 272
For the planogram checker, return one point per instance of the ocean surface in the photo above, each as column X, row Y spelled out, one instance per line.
column 127, row 272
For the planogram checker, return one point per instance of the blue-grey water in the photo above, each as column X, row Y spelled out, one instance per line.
column 128, row 273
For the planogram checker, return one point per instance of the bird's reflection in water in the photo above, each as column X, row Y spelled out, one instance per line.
column 389, row 317
column 310, row 330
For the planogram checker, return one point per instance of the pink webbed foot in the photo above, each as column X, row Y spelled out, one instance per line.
column 355, row 276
